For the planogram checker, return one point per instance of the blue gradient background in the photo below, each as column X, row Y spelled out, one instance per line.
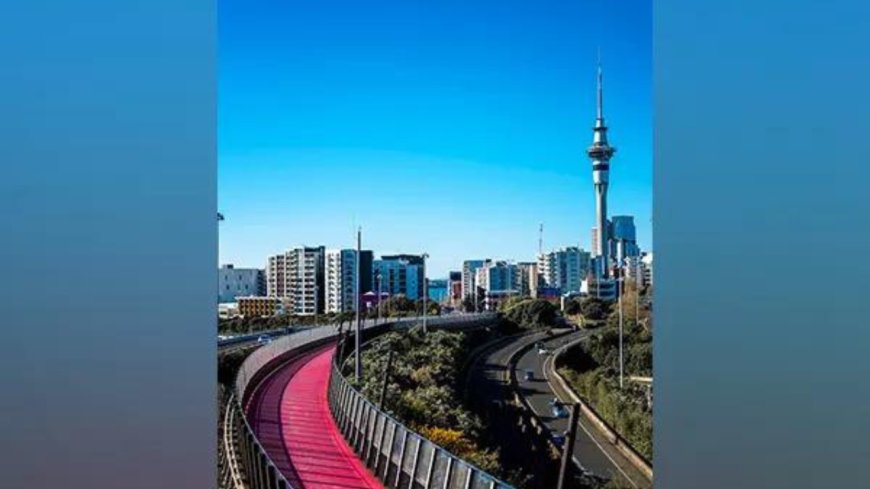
column 109, row 244
column 761, row 213
column 108, row 199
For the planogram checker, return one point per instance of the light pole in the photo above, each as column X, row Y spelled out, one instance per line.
column 378, row 278
column 636, row 301
column 356, row 301
column 425, row 292
column 619, row 283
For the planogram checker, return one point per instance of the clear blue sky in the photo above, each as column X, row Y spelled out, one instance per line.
column 453, row 127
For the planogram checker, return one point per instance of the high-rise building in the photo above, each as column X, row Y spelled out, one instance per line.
column 454, row 287
column 400, row 275
column 297, row 275
column 564, row 269
column 499, row 281
column 600, row 153
column 340, row 278
column 437, row 290
column 623, row 242
column 498, row 276
column 527, row 279
column 240, row 282
column 469, row 271
column 647, row 266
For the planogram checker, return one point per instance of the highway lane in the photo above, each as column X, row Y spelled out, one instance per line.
column 591, row 449
column 489, row 372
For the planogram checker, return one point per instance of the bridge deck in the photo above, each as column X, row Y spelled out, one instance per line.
column 291, row 418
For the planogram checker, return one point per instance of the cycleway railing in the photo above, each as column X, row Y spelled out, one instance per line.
column 261, row 472
column 398, row 456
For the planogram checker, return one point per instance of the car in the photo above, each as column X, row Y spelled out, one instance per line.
column 542, row 350
column 557, row 439
column 558, row 409
column 529, row 375
column 264, row 339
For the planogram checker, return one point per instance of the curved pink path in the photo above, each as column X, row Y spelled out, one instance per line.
column 291, row 418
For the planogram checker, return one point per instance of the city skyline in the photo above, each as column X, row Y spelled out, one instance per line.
column 458, row 146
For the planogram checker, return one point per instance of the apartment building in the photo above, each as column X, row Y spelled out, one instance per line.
column 297, row 275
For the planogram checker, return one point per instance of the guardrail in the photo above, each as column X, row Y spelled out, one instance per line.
column 398, row 456
column 260, row 472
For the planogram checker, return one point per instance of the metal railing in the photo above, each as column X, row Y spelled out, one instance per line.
column 398, row 456
column 254, row 469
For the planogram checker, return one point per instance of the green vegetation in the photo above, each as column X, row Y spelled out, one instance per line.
column 592, row 369
column 589, row 312
column 424, row 387
column 399, row 305
column 529, row 313
column 243, row 325
column 396, row 306
column 228, row 365
column 426, row 382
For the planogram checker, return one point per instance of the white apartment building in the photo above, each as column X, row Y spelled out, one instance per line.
column 469, row 274
column 527, row 279
column 339, row 278
column 646, row 261
column 237, row 282
column 564, row 269
column 297, row 275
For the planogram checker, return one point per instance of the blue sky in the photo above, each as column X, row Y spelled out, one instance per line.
column 454, row 128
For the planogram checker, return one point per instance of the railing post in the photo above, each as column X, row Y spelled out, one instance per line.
column 380, row 449
column 431, row 467
column 402, row 461
column 449, row 473
column 389, row 453
column 468, row 477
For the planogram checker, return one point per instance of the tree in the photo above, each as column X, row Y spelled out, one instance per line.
column 572, row 307
column 398, row 305
column 532, row 313
column 594, row 308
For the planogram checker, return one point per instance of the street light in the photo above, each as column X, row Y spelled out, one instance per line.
column 619, row 282
column 356, row 301
column 378, row 279
column 425, row 292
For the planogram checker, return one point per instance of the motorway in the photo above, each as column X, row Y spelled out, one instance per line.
column 592, row 449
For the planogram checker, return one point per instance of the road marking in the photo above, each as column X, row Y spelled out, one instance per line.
column 588, row 433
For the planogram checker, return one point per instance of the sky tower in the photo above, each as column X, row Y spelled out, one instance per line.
column 600, row 153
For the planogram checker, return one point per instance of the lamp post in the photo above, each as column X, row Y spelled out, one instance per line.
column 356, row 301
column 619, row 283
column 425, row 292
column 378, row 279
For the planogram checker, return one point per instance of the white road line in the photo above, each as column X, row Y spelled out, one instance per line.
column 588, row 433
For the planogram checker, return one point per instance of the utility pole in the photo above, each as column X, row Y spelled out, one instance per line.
column 358, row 359
column 541, row 239
column 568, row 449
